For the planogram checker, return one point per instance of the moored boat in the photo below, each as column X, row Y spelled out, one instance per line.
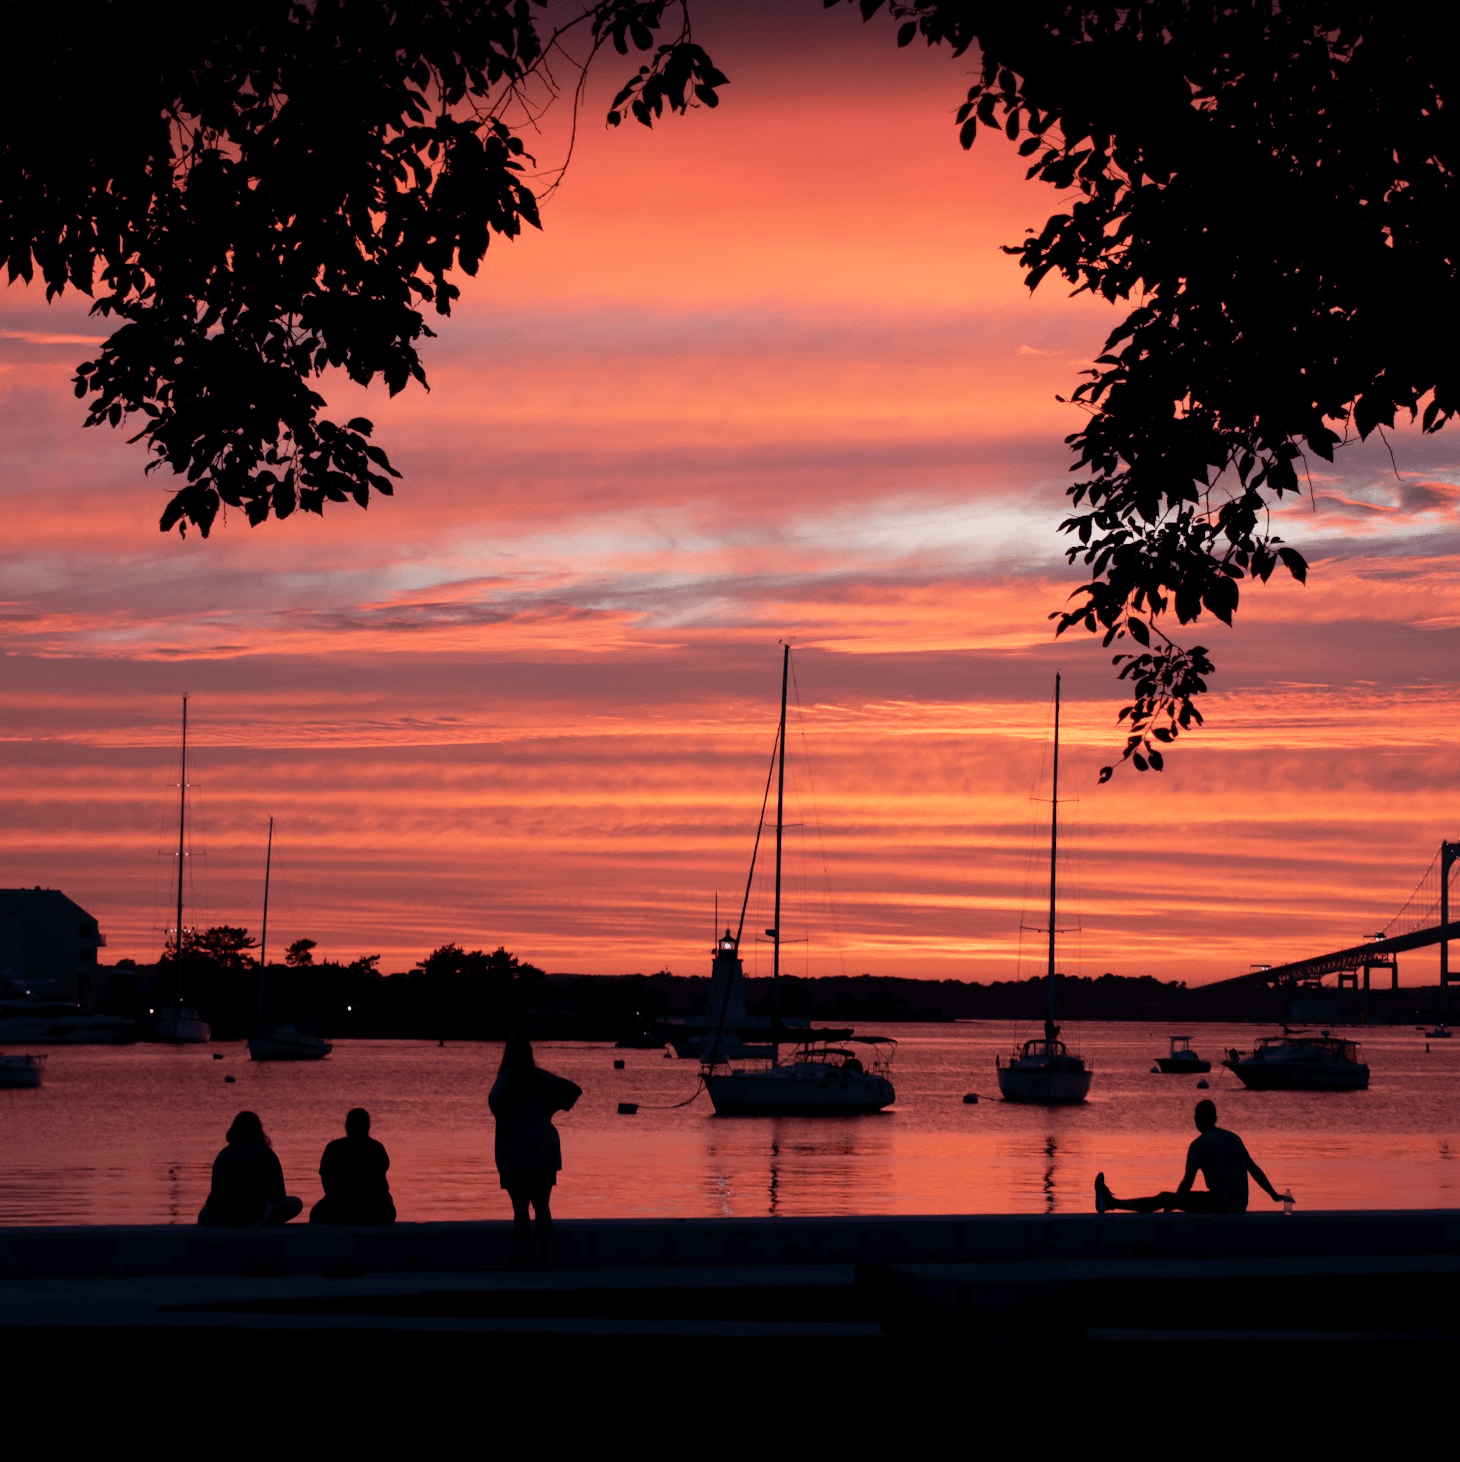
column 179, row 1025
column 1295, row 1061
column 822, row 1077
column 286, row 1043
column 1045, row 1071
column 32, row 1022
column 1182, row 1060
column 19, row 1070
column 825, row 1076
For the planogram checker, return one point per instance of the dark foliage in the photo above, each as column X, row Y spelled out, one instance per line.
column 258, row 190
column 1273, row 188
column 256, row 193
column 300, row 954
column 222, row 947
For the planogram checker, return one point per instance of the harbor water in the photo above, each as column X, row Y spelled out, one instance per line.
column 127, row 1134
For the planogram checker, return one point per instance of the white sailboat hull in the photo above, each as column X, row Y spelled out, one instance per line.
column 798, row 1091
column 66, row 1030
column 1048, row 1087
column 180, row 1027
column 284, row 1043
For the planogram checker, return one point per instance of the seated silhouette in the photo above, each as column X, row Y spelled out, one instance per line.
column 353, row 1171
column 248, row 1183
column 1221, row 1157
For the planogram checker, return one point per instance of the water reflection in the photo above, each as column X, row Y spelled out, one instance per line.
column 127, row 1135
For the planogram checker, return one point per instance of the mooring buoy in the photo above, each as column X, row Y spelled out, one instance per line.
column 618, row 1065
column 230, row 1078
column 971, row 1099
column 627, row 1109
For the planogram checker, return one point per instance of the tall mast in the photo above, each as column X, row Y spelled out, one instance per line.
column 780, row 815
column 264, row 937
column 1050, row 1028
column 182, row 809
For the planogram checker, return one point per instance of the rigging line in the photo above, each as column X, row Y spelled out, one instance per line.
column 759, row 825
column 672, row 1106
column 816, row 820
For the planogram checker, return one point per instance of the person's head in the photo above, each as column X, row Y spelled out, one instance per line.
column 357, row 1122
column 248, row 1131
column 518, row 1068
column 1206, row 1116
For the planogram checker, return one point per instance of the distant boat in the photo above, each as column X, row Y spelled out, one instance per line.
column 1440, row 1033
column 825, row 1075
column 285, row 1043
column 1294, row 1061
column 177, row 1024
column 33, row 1022
column 1182, row 1061
column 21, row 1070
column 278, row 1042
column 1045, row 1071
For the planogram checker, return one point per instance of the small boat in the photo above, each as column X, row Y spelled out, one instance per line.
column 280, row 1042
column 1295, row 1061
column 179, row 1025
column 34, row 1022
column 286, row 1043
column 821, row 1078
column 21, row 1070
column 1045, row 1070
column 1182, row 1060
column 1440, row 1033
column 825, row 1076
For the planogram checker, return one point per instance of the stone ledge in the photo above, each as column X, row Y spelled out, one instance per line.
column 95, row 1252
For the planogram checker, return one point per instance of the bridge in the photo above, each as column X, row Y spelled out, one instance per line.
column 1424, row 920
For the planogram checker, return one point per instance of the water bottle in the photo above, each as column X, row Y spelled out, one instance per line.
column 1288, row 1202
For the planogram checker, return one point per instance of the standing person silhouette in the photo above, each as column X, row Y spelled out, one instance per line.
column 528, row 1150
column 352, row 1172
column 1221, row 1157
column 248, row 1183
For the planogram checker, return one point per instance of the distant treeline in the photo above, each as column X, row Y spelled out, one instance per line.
column 471, row 995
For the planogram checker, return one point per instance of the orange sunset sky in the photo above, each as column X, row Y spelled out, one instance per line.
column 764, row 374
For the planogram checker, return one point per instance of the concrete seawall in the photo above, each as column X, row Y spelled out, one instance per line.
column 158, row 1250
column 985, row 1280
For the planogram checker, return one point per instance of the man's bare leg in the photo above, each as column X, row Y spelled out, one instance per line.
column 1156, row 1203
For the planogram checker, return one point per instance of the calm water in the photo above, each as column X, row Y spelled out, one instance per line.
column 127, row 1134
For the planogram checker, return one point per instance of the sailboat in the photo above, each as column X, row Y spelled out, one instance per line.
column 278, row 1042
column 830, row 1071
column 178, row 1024
column 1044, row 1070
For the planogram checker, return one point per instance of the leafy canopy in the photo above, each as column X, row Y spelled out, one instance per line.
column 1272, row 188
column 257, row 192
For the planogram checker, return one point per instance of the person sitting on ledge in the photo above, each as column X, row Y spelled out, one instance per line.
column 248, row 1183
column 353, row 1171
column 1221, row 1157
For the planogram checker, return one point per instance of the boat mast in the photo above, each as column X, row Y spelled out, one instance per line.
column 780, row 824
column 182, row 809
column 264, row 937
column 1051, row 1030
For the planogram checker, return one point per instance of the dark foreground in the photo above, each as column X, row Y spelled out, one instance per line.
column 642, row 1322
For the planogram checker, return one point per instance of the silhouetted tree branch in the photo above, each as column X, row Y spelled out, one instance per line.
column 1273, row 187
column 256, row 191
